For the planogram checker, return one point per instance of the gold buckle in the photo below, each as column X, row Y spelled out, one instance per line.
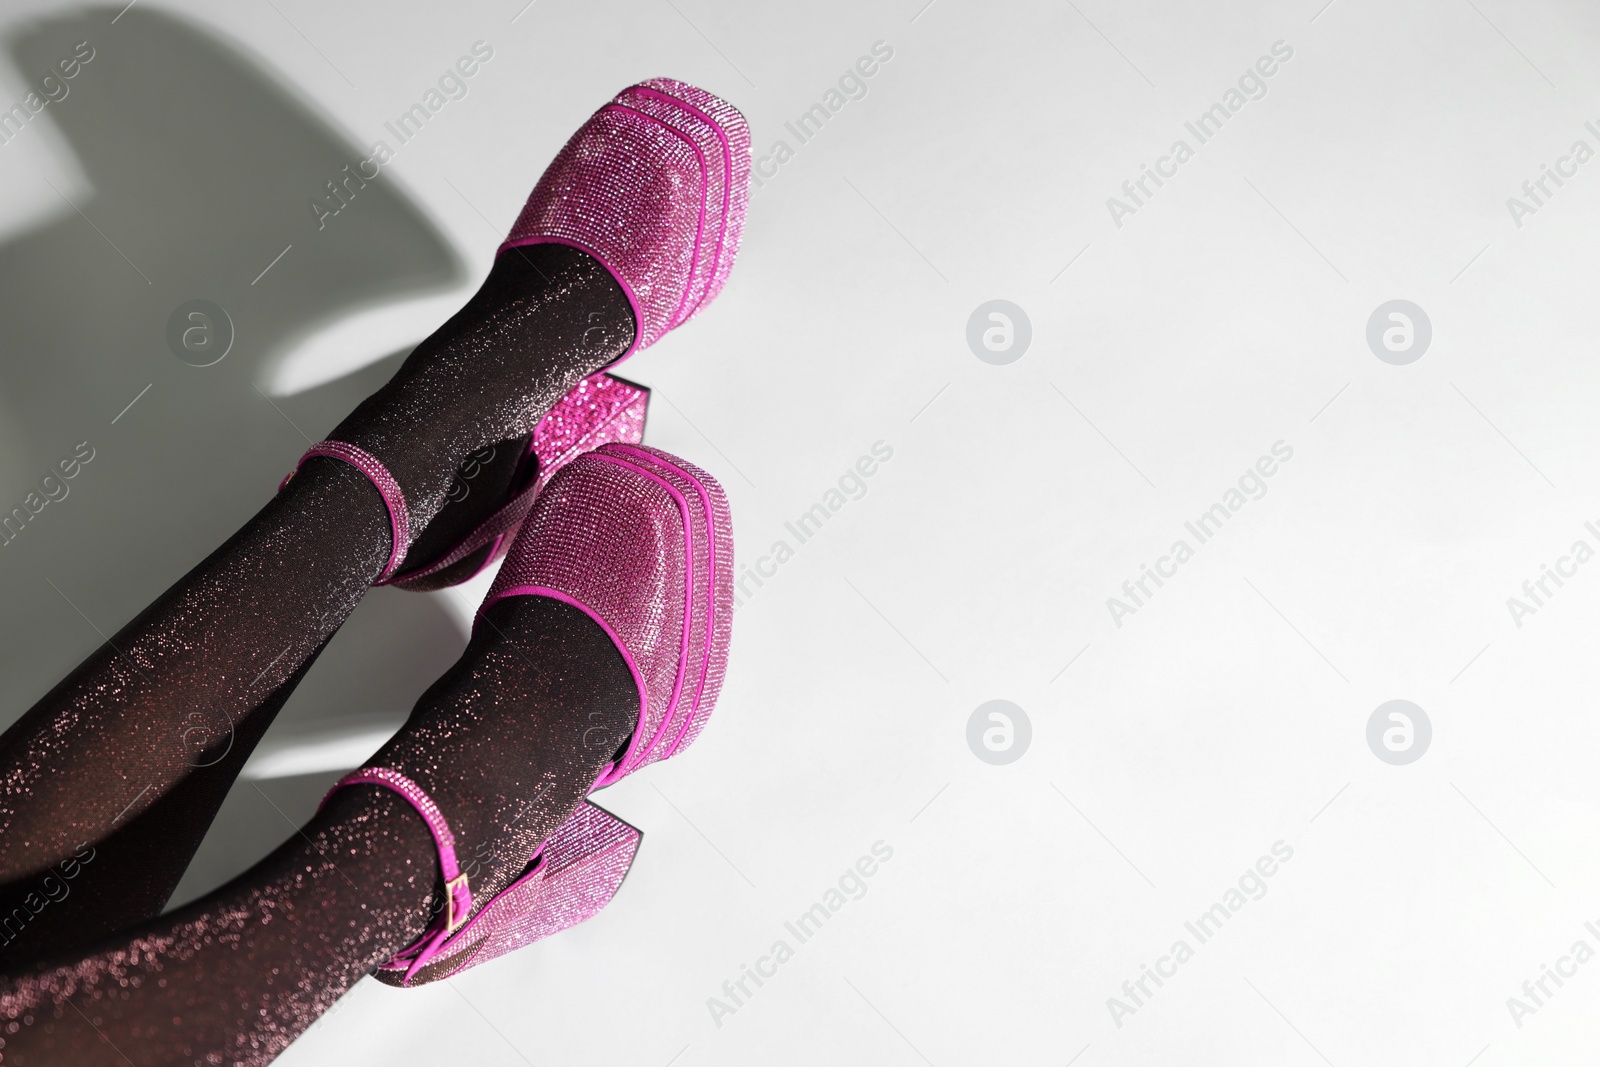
column 452, row 921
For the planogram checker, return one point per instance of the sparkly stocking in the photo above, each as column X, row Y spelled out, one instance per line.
column 507, row 742
column 127, row 760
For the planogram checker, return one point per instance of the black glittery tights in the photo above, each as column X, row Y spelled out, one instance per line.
column 108, row 783
column 506, row 743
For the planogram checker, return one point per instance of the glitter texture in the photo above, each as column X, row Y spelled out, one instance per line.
column 712, row 543
column 622, row 240
column 376, row 473
column 599, row 409
column 576, row 873
column 720, row 133
column 655, row 187
column 134, row 752
column 507, row 743
column 641, row 541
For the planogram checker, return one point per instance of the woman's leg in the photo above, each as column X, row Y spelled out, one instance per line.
column 116, row 773
column 507, row 743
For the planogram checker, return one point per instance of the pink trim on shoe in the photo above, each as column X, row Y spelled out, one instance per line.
column 733, row 133
column 714, row 526
column 376, row 473
column 576, row 872
column 638, row 749
column 632, row 188
column 629, row 570
column 614, row 536
column 569, row 878
column 710, row 285
column 458, row 895
column 678, row 317
column 656, row 697
column 595, row 254
column 616, row 639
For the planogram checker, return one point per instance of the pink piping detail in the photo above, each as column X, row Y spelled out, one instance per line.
column 473, row 541
column 727, row 163
column 688, row 609
column 678, row 317
column 393, row 497
column 711, row 591
column 616, row 276
column 637, row 746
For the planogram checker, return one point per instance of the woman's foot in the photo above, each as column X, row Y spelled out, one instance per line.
column 652, row 190
column 512, row 738
column 509, row 742
column 544, row 319
column 600, row 649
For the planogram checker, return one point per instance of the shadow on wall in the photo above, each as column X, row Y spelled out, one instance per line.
column 194, row 170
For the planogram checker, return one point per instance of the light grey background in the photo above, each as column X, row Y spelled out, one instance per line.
column 1168, row 754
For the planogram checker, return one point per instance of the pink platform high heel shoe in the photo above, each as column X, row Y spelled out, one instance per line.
column 639, row 541
column 674, row 559
column 654, row 187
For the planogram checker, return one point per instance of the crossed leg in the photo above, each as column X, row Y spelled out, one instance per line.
column 508, row 742
column 117, row 772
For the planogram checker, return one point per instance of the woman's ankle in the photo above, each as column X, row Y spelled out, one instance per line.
column 512, row 739
column 546, row 317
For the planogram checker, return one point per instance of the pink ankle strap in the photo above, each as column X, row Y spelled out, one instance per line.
column 458, row 895
column 384, row 482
